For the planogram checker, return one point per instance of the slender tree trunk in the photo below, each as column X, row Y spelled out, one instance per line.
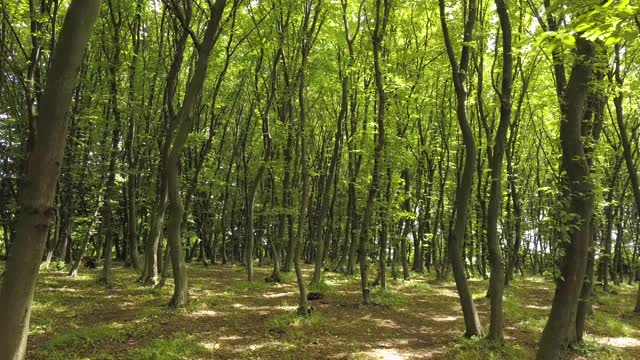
column 266, row 136
column 496, row 281
column 115, row 16
column 286, row 197
column 626, row 146
column 463, row 192
column 183, row 121
column 381, row 20
column 132, row 214
column 324, row 198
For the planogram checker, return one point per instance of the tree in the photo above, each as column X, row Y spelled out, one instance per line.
column 43, row 169
column 578, row 195
column 183, row 126
column 463, row 191
column 496, row 281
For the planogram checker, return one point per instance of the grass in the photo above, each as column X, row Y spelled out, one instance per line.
column 291, row 322
column 321, row 287
column 390, row 298
column 77, row 318
column 85, row 337
column 180, row 346
column 66, row 345
column 477, row 348
column 592, row 350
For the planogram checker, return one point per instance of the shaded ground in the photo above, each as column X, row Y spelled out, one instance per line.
column 228, row 318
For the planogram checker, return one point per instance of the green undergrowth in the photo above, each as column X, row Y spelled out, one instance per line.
column 87, row 337
column 412, row 285
column 180, row 346
column 526, row 317
column 322, row 287
column 594, row 351
column 479, row 348
column 292, row 324
column 390, row 298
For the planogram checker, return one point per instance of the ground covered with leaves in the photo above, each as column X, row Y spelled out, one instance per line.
column 229, row 318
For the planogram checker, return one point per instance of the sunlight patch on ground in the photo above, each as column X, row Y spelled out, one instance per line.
column 618, row 342
column 286, row 307
column 210, row 345
column 387, row 323
column 277, row 295
column 271, row 344
column 446, row 292
column 62, row 289
column 441, row 318
column 334, row 281
column 262, row 310
column 384, row 354
column 536, row 307
column 231, row 337
column 395, row 354
column 204, row 314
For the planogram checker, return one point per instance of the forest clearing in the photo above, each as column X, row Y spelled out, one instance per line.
column 228, row 318
column 356, row 179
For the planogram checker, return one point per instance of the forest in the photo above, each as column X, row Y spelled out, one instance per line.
column 319, row 179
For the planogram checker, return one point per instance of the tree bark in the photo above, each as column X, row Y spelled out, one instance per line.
column 578, row 195
column 626, row 146
column 496, row 280
column 463, row 192
column 37, row 192
column 381, row 20
column 183, row 120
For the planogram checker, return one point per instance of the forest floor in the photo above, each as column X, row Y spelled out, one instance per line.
column 228, row 318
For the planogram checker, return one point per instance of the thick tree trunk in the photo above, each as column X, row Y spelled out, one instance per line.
column 579, row 198
column 42, row 172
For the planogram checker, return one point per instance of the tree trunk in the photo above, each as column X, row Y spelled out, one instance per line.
column 626, row 146
column 496, row 281
column 463, row 192
column 42, row 172
column 579, row 198
column 328, row 181
column 377, row 35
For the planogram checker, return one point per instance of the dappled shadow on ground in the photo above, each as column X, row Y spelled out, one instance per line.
column 229, row 318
